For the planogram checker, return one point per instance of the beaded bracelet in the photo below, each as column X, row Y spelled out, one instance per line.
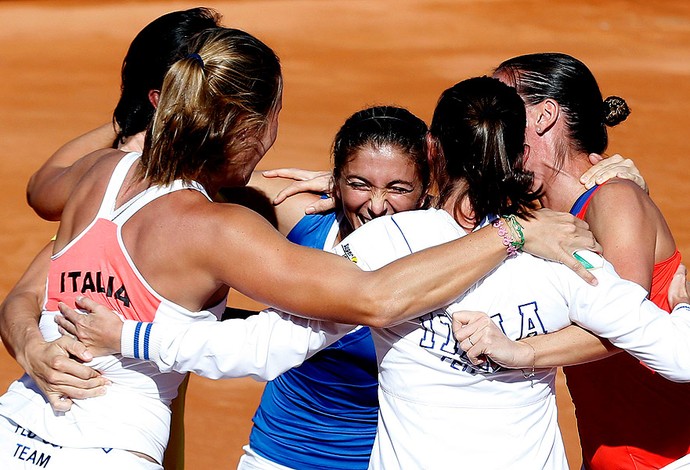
column 508, row 240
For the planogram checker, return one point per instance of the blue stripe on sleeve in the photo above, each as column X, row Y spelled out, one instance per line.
column 147, row 334
column 137, row 329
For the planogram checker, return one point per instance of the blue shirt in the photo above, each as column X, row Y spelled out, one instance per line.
column 322, row 414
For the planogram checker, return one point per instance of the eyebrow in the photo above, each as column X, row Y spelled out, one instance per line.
column 390, row 183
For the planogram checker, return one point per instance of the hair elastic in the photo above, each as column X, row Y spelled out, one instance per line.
column 197, row 58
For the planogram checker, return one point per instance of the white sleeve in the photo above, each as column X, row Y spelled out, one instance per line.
column 262, row 346
column 619, row 311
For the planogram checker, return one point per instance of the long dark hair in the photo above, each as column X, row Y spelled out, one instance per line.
column 571, row 84
column 479, row 128
column 160, row 44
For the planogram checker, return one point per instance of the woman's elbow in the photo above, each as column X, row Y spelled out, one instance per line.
column 381, row 311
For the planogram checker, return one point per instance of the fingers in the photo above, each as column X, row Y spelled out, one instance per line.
column 74, row 379
column 62, row 379
column 580, row 270
column 68, row 312
column 305, row 182
column 66, row 327
column 91, row 389
column 470, row 330
column 679, row 288
column 615, row 166
column 59, row 402
column 483, row 341
column 91, row 306
column 60, row 397
column 320, row 206
column 595, row 158
column 477, row 343
column 465, row 323
column 597, row 247
column 603, row 169
column 299, row 187
column 290, row 173
column 78, row 349
column 634, row 177
column 556, row 236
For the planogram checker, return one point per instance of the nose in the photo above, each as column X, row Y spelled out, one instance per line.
column 378, row 204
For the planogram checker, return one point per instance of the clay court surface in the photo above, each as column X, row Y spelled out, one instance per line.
column 59, row 64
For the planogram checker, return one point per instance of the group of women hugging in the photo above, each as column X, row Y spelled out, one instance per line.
column 423, row 291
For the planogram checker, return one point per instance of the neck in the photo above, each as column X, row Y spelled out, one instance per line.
column 463, row 212
column 564, row 187
column 133, row 143
column 344, row 230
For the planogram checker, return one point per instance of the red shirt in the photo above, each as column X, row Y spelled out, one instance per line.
column 629, row 417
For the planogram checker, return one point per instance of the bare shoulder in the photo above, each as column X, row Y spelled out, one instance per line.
column 234, row 221
column 621, row 195
column 232, row 241
column 621, row 211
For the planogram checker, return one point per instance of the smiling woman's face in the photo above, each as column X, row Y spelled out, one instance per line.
column 378, row 181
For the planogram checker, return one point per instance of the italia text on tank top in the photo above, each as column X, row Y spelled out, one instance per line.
column 134, row 414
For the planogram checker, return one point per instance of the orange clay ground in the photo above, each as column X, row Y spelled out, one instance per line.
column 59, row 63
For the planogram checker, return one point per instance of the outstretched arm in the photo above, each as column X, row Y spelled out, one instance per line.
column 405, row 288
column 226, row 345
column 262, row 346
column 48, row 363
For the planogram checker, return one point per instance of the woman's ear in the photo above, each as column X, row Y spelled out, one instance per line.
column 436, row 167
column 548, row 112
column 335, row 189
column 432, row 149
column 154, row 96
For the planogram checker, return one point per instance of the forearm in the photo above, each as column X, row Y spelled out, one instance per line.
column 38, row 190
column 263, row 346
column 99, row 138
column 19, row 315
column 569, row 346
column 434, row 277
column 20, row 311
